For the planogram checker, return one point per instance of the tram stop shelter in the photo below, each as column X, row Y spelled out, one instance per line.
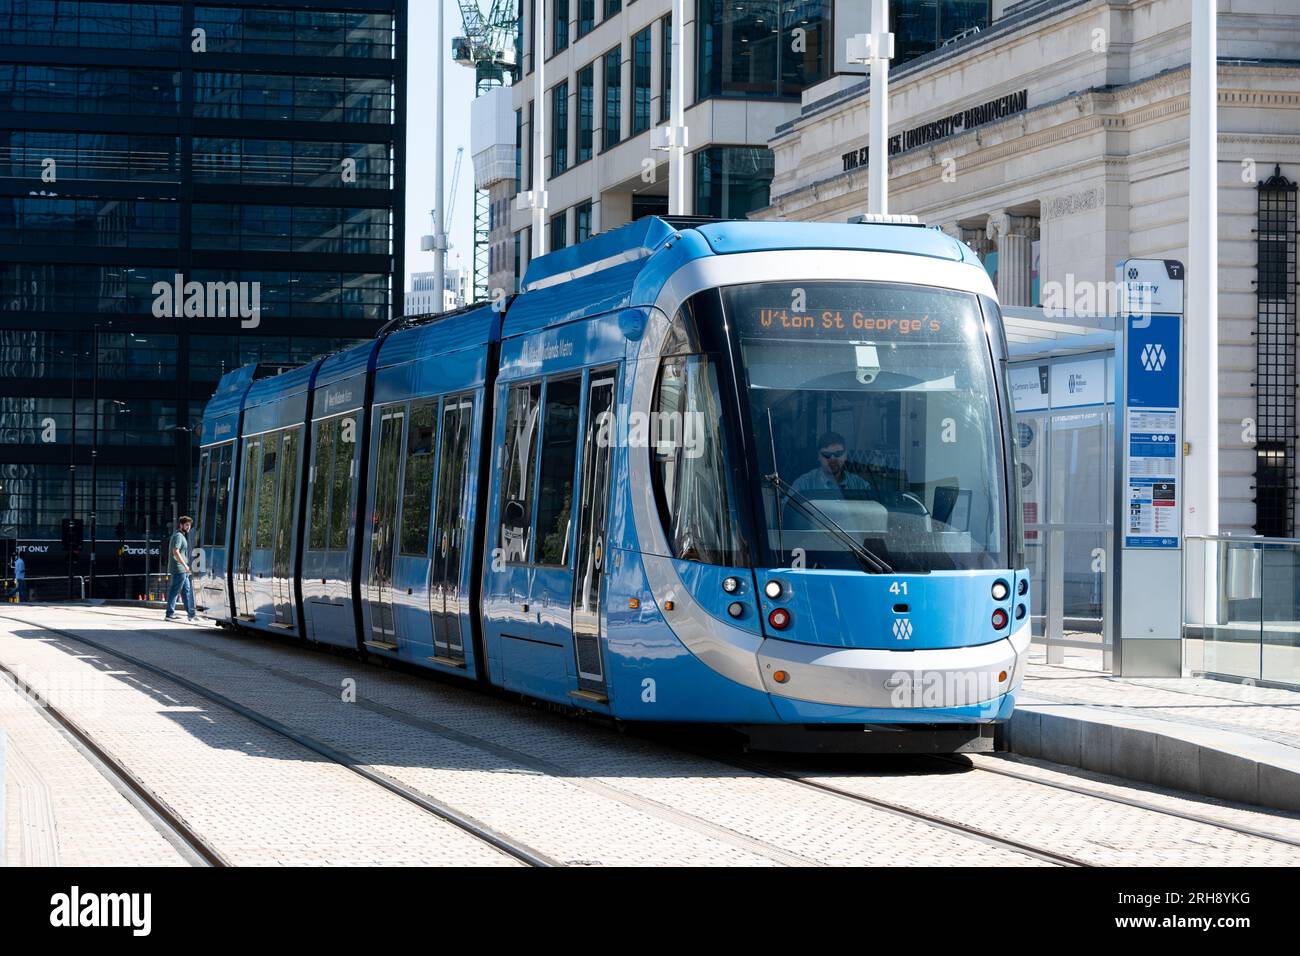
column 1062, row 380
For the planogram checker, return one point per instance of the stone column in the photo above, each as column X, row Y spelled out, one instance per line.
column 977, row 239
column 1014, row 236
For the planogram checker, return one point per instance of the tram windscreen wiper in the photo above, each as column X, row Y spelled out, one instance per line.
column 869, row 560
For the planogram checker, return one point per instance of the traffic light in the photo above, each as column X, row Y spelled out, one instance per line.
column 72, row 534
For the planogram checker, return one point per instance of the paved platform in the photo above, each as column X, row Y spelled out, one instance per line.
column 575, row 791
column 1217, row 738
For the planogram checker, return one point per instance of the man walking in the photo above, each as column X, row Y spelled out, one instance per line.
column 178, row 565
column 20, row 578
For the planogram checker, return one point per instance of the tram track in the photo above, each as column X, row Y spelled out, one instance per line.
column 1116, row 798
column 895, row 809
column 530, row 761
column 479, row 831
column 953, row 826
column 192, row 846
column 898, row 809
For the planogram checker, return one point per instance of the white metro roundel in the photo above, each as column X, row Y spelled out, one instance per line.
column 1153, row 357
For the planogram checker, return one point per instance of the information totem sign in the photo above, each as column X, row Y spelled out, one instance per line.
column 1148, row 610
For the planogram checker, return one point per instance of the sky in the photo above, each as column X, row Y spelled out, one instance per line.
column 422, row 99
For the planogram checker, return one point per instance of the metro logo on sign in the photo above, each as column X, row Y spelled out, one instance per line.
column 1153, row 357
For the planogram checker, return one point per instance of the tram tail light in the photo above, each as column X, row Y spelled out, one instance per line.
column 999, row 619
column 779, row 619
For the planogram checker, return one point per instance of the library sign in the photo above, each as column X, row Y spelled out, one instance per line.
column 958, row 122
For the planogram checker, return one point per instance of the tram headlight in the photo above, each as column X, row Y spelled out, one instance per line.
column 1000, row 590
column 736, row 609
column 999, row 619
column 779, row 619
column 1022, row 587
column 731, row 585
column 774, row 589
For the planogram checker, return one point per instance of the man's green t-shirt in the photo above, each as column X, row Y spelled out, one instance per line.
column 178, row 543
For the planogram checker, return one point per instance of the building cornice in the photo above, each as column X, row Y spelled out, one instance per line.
column 1078, row 115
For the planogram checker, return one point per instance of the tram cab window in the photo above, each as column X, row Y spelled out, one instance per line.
column 518, row 468
column 875, row 405
column 689, row 463
column 215, row 488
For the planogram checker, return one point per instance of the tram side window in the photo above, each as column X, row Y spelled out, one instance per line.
column 518, row 466
column 248, row 496
column 555, row 487
column 417, row 488
column 453, row 463
column 201, row 533
column 266, row 492
column 225, row 455
column 288, row 471
column 691, row 472
column 345, row 466
column 322, row 440
column 207, row 515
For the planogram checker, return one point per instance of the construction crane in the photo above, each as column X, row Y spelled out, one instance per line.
column 426, row 242
column 488, row 44
column 455, row 181
column 488, row 47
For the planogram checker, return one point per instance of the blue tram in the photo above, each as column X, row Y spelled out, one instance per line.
column 759, row 474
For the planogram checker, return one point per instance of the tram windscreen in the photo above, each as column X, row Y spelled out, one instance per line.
column 874, row 405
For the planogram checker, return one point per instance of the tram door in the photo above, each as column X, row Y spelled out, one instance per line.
column 589, row 570
column 383, row 528
column 286, row 509
column 449, row 529
column 247, row 511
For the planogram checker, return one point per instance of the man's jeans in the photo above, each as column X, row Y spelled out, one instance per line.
column 180, row 584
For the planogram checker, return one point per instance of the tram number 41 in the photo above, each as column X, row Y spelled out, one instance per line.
column 898, row 587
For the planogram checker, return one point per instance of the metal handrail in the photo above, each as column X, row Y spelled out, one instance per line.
column 55, row 577
column 1244, row 538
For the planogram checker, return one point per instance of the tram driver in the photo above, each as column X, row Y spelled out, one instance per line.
column 831, row 479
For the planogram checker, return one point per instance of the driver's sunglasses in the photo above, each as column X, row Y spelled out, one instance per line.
column 833, row 454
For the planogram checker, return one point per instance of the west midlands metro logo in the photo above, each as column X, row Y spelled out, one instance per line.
column 903, row 629
column 1153, row 357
